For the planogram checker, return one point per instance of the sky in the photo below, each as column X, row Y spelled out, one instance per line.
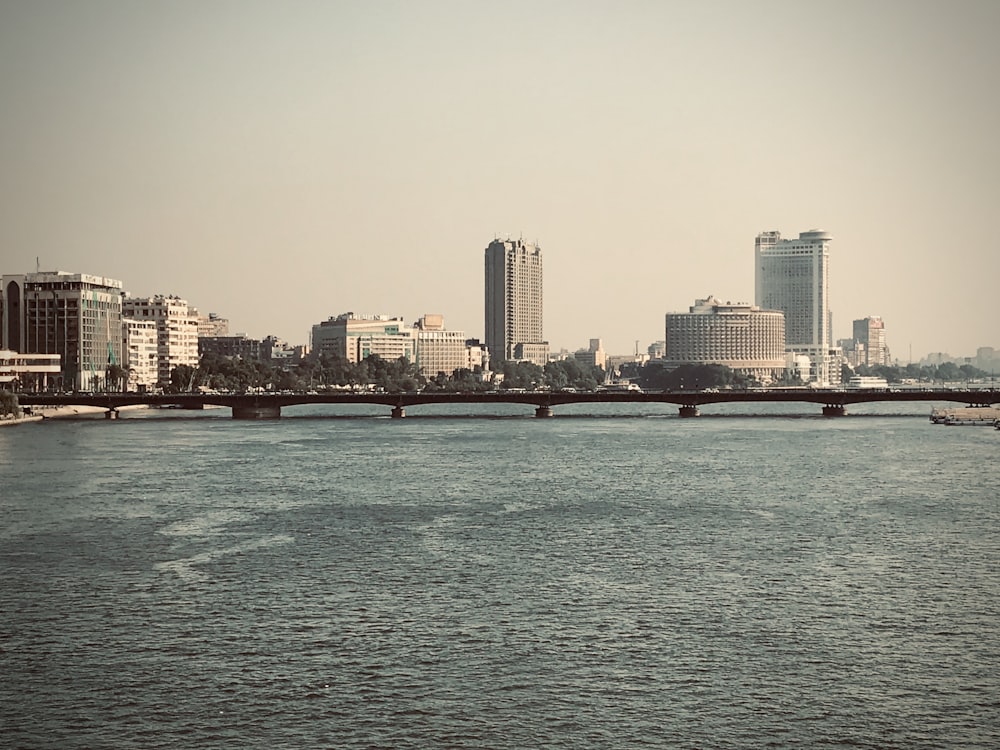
column 279, row 163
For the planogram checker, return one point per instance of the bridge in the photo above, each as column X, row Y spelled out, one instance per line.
column 834, row 403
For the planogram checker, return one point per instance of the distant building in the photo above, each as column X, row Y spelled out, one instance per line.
column 514, row 302
column 176, row 330
column 869, row 340
column 278, row 352
column 742, row 337
column 793, row 276
column 593, row 356
column 212, row 325
column 76, row 316
column 239, row 346
column 357, row 337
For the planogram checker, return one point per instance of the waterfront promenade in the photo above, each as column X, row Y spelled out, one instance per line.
column 833, row 402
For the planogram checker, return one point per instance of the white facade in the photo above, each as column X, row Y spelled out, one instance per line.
column 441, row 351
column 176, row 330
column 514, row 302
column 357, row 337
column 742, row 337
column 793, row 276
column 142, row 352
column 33, row 372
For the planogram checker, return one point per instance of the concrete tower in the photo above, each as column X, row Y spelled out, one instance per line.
column 793, row 276
column 514, row 302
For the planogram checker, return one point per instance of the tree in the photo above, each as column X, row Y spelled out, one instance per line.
column 115, row 377
column 182, row 379
column 9, row 404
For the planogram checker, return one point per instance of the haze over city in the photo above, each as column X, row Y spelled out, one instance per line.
column 279, row 163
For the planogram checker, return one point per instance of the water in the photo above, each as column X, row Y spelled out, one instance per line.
column 602, row 579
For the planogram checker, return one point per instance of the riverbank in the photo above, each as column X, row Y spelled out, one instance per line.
column 40, row 413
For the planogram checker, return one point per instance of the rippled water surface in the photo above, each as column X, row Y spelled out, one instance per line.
column 596, row 580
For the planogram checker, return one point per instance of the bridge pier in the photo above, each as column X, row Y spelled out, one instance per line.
column 689, row 411
column 398, row 412
column 834, row 410
column 256, row 412
column 111, row 414
column 543, row 411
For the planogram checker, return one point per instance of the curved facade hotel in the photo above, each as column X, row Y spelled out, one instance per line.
column 740, row 336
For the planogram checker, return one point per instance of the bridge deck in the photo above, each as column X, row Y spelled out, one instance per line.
column 270, row 404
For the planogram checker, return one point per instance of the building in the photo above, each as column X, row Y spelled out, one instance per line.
column 176, row 330
column 438, row 350
column 869, row 342
column 76, row 316
column 793, row 276
column 28, row 372
column 239, row 346
column 742, row 337
column 514, row 302
column 212, row 325
column 357, row 337
column 141, row 354
column 593, row 356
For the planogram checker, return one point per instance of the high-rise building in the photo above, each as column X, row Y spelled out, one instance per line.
column 869, row 338
column 176, row 330
column 740, row 336
column 793, row 276
column 514, row 302
column 77, row 316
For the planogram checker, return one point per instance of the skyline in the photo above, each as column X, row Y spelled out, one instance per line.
column 347, row 156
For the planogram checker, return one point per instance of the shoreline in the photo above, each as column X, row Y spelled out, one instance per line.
column 41, row 413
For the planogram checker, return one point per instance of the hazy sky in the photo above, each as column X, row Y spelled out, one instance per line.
column 281, row 162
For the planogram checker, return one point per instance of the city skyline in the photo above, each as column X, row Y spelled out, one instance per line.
column 347, row 157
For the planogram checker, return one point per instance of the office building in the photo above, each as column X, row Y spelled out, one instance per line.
column 793, row 276
column 439, row 350
column 742, row 337
column 869, row 342
column 514, row 302
column 77, row 316
column 176, row 330
column 592, row 356
column 357, row 337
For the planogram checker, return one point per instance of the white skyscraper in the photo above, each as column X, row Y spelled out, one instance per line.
column 514, row 302
column 793, row 276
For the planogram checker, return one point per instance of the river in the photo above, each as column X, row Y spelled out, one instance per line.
column 611, row 577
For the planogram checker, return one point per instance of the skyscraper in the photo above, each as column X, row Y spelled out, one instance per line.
column 514, row 302
column 793, row 276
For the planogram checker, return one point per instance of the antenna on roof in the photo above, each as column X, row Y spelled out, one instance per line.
column 38, row 265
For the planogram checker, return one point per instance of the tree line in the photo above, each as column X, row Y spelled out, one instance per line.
column 325, row 371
